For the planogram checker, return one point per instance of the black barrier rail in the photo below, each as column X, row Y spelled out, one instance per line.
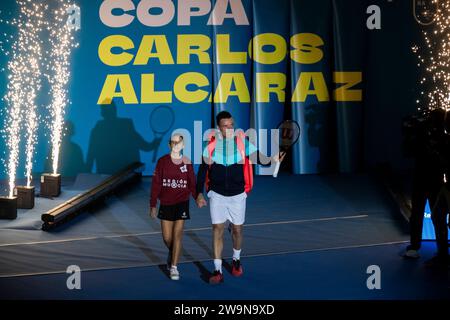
column 75, row 205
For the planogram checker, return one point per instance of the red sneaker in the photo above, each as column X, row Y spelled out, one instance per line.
column 236, row 270
column 216, row 278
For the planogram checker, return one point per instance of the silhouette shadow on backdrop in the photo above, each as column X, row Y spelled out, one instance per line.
column 114, row 142
column 320, row 136
column 71, row 159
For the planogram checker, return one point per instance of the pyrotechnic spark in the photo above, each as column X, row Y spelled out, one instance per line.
column 23, row 86
column 435, row 58
column 35, row 56
column 58, row 72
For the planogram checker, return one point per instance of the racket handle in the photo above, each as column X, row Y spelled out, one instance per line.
column 155, row 153
column 277, row 168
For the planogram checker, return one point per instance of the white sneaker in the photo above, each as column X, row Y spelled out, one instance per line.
column 174, row 274
column 411, row 253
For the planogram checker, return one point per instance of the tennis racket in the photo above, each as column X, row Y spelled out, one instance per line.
column 162, row 119
column 289, row 132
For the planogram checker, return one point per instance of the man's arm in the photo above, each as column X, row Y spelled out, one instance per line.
column 256, row 156
column 260, row 158
column 201, row 176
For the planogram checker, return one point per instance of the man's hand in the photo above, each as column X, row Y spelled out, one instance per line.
column 155, row 143
column 153, row 212
column 201, row 202
column 279, row 156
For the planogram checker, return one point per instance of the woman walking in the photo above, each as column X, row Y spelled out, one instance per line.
column 173, row 183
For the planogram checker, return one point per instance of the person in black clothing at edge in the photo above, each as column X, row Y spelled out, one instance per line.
column 227, row 172
column 441, row 207
column 441, row 223
column 423, row 142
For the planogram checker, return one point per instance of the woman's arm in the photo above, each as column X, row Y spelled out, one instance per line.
column 191, row 181
column 156, row 184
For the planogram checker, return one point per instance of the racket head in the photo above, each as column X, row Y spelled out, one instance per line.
column 162, row 119
column 289, row 134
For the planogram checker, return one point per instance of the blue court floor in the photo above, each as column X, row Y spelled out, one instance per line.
column 316, row 275
column 307, row 237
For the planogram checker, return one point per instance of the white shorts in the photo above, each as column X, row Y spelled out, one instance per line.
column 224, row 208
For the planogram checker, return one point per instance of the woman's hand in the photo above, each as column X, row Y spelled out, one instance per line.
column 153, row 212
column 201, row 202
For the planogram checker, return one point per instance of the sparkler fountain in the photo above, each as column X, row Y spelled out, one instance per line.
column 22, row 89
column 34, row 14
column 58, row 73
column 24, row 83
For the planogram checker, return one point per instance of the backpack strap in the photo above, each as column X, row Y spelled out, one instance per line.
column 248, row 168
column 212, row 141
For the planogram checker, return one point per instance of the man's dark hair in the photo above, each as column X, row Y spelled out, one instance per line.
column 222, row 115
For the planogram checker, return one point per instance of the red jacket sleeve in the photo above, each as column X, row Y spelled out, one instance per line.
column 156, row 184
column 191, row 181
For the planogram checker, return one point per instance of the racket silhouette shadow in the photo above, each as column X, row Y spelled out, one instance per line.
column 162, row 119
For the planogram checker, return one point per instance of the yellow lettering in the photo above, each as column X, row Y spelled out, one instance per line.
column 349, row 79
column 270, row 82
column 223, row 90
column 193, row 44
column 224, row 55
column 126, row 91
column 162, row 50
column 115, row 41
column 187, row 96
column 303, row 88
column 148, row 93
column 306, row 49
column 260, row 41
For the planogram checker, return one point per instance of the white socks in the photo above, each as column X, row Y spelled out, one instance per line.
column 236, row 254
column 218, row 262
column 218, row 265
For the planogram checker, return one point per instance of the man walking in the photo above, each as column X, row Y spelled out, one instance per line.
column 227, row 172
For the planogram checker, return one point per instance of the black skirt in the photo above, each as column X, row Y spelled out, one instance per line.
column 178, row 211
